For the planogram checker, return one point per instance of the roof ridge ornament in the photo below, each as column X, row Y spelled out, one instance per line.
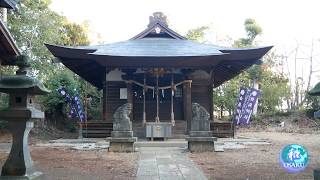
column 158, row 17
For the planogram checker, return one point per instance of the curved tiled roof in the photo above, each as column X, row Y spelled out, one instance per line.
column 157, row 46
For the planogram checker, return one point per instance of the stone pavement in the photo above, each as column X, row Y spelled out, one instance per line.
column 166, row 163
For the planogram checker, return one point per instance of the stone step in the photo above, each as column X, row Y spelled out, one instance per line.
column 218, row 148
column 169, row 143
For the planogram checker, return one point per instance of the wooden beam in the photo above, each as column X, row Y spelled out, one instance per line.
column 105, row 97
column 187, row 103
column 130, row 97
column 104, row 101
column 211, row 102
column 211, row 86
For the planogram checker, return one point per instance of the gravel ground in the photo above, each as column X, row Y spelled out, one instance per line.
column 68, row 164
column 252, row 163
column 259, row 162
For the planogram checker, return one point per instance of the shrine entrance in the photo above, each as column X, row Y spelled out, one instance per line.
column 157, row 96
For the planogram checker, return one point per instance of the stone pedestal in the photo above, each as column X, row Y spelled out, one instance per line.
column 122, row 134
column 201, row 144
column 122, row 139
column 124, row 144
column 200, row 137
column 19, row 164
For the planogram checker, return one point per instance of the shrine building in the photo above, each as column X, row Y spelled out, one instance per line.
column 158, row 71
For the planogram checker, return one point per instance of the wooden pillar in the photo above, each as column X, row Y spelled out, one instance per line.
column 104, row 101
column 144, row 114
column 130, row 96
column 211, row 102
column 187, row 103
column 172, row 99
column 157, row 98
column 211, row 86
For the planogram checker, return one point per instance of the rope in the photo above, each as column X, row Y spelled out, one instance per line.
column 146, row 87
column 153, row 88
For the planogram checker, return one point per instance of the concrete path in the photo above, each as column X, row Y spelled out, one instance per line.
column 166, row 163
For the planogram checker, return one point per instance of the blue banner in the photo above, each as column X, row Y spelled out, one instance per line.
column 240, row 102
column 79, row 108
column 76, row 108
column 65, row 94
column 248, row 106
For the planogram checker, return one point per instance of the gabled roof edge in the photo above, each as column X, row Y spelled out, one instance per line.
column 150, row 28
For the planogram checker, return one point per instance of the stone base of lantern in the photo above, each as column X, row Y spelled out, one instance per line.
column 34, row 175
column 19, row 164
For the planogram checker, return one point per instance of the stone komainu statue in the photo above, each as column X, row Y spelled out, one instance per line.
column 200, row 118
column 121, row 119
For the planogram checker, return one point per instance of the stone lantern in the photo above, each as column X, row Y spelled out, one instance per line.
column 20, row 115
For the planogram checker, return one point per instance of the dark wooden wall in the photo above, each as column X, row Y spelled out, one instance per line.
column 114, row 101
column 201, row 94
column 113, row 97
column 164, row 110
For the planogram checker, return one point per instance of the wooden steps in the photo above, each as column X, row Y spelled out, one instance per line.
column 96, row 129
column 222, row 129
column 102, row 129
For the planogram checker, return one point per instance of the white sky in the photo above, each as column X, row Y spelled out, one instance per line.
column 284, row 22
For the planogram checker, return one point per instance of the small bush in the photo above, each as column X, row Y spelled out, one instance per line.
column 3, row 124
column 70, row 127
column 284, row 114
column 309, row 112
column 256, row 119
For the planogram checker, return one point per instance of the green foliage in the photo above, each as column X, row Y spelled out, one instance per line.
column 225, row 96
column 54, row 102
column 197, row 34
column 35, row 24
column 312, row 105
column 31, row 26
column 74, row 34
column 3, row 124
column 253, row 30
column 22, row 61
column 310, row 113
column 4, row 99
column 274, row 86
column 70, row 126
column 275, row 91
column 93, row 99
column 312, row 102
